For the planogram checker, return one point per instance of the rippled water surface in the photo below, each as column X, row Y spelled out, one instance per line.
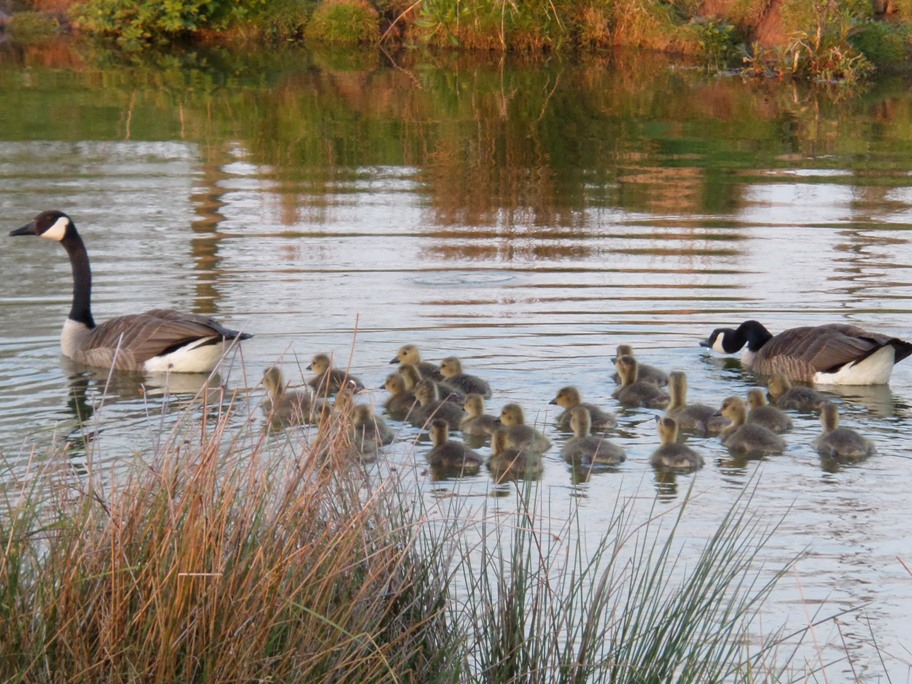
column 526, row 218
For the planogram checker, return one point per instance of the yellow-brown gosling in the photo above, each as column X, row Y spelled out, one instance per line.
column 477, row 423
column 763, row 414
column 370, row 425
column 742, row 436
column 445, row 391
column 519, row 434
column 635, row 392
column 839, row 443
column 568, row 398
column 588, row 450
column 329, row 380
column 451, row 369
column 401, row 400
column 409, row 355
column 509, row 462
column 286, row 405
column 647, row 373
column 430, row 407
column 335, row 441
column 446, row 454
column 698, row 417
column 670, row 454
column 785, row 396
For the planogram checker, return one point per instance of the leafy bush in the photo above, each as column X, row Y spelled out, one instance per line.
column 346, row 22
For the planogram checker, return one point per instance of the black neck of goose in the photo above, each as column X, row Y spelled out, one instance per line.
column 755, row 334
column 81, row 310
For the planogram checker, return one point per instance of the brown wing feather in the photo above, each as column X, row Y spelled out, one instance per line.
column 801, row 352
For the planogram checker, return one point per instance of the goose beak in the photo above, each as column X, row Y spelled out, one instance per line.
column 28, row 229
column 705, row 343
column 395, row 359
column 553, row 402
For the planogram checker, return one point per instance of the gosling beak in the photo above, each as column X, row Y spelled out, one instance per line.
column 29, row 228
column 395, row 359
column 308, row 367
column 553, row 402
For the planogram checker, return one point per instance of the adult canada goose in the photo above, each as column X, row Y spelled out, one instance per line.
column 287, row 405
column 568, row 398
column 401, row 401
column 477, row 423
column 367, row 425
column 833, row 354
column 763, row 414
column 647, row 373
column 747, row 437
column 509, row 461
column 451, row 369
column 160, row 340
column 785, row 396
column 588, row 450
column 431, row 406
column 446, row 454
column 519, row 434
column 445, row 391
column 670, row 454
column 697, row 417
column 635, row 392
column 329, row 380
column 409, row 355
column 839, row 443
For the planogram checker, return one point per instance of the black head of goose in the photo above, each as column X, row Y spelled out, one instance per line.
column 159, row 340
column 833, row 354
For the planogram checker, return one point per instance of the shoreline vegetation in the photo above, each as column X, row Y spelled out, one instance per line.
column 231, row 552
column 805, row 39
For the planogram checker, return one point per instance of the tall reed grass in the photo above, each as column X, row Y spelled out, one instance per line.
column 234, row 553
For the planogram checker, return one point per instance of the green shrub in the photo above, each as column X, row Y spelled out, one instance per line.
column 27, row 27
column 886, row 45
column 345, row 22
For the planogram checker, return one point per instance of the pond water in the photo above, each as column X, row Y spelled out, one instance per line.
column 526, row 217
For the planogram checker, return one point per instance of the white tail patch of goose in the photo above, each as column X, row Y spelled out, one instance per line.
column 873, row 370
column 58, row 230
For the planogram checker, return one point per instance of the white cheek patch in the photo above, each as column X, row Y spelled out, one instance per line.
column 58, row 230
column 717, row 344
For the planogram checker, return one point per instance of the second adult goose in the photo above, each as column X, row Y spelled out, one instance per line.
column 157, row 341
column 833, row 354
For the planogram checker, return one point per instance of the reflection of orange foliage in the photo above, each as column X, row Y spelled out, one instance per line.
column 54, row 54
column 661, row 190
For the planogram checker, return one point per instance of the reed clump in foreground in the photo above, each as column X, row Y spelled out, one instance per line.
column 237, row 554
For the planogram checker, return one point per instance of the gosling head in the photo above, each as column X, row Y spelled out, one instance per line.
column 439, row 432
column 667, row 427
column 733, row 408
column 273, row 381
column 567, row 398
column 320, row 363
column 394, row 384
column 426, row 392
column 474, row 404
column 756, row 398
column 778, row 384
column 512, row 414
column 450, row 367
column 627, row 368
column 829, row 416
column 407, row 354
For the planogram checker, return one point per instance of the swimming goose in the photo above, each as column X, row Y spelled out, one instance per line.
column 569, row 398
column 635, row 392
column 647, row 373
column 401, row 401
column 519, row 434
column 409, row 355
column 451, row 370
column 329, row 380
column 287, row 405
column 697, row 417
column 367, row 425
column 833, row 354
column 747, row 437
column 431, row 406
column 509, row 461
column 449, row 455
column 160, row 340
column 477, row 423
column 446, row 391
column 670, row 454
column 785, row 396
column 588, row 450
column 763, row 414
column 840, row 443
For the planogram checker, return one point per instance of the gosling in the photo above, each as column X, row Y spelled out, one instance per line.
column 431, row 406
column 329, row 380
column 409, row 355
column 367, row 425
column 445, row 391
column 520, row 435
column 763, row 414
column 448, row 455
column 569, row 398
column 671, row 455
column 785, row 396
column 401, row 401
column 477, row 423
column 647, row 373
column 839, row 443
column 697, row 417
column 635, row 392
column 745, row 437
column 510, row 462
column 451, row 370
column 285, row 405
column 588, row 450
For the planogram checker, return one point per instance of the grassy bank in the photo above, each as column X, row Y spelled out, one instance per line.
column 229, row 553
column 795, row 38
